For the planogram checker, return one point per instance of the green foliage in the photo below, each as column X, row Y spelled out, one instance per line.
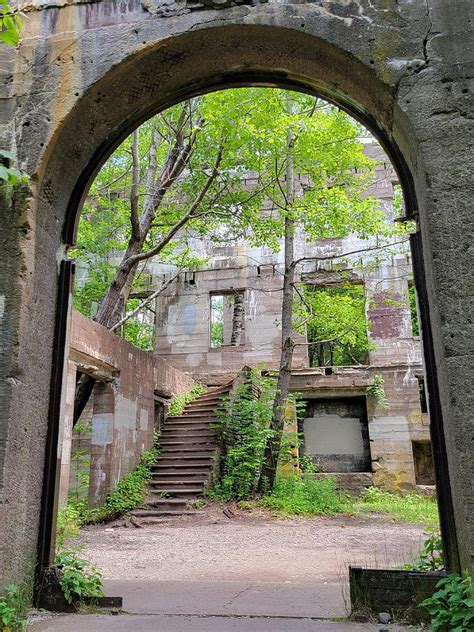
column 10, row 174
column 243, row 429
column 431, row 554
column 68, row 524
column 377, row 391
column 10, row 26
column 179, row 402
column 13, row 608
column 79, row 579
column 336, row 324
column 452, row 605
column 250, row 127
column 305, row 495
column 129, row 493
column 413, row 310
column 411, row 508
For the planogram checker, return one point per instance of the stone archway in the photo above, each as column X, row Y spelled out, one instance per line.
column 97, row 72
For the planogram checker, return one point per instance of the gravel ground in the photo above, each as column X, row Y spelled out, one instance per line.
column 250, row 546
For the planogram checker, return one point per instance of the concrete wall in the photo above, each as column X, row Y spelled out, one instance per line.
column 123, row 403
column 391, row 429
column 87, row 73
column 336, row 435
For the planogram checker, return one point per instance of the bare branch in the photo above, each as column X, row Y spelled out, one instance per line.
column 351, row 252
column 186, row 217
column 143, row 304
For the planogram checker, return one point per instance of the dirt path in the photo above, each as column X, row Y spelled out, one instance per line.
column 250, row 547
column 244, row 572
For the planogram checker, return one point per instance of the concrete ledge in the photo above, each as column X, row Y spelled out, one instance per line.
column 397, row 592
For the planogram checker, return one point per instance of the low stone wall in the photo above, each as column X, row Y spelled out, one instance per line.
column 123, row 416
column 396, row 592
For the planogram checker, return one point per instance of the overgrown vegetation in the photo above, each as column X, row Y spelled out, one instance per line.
column 336, row 325
column 377, row 391
column 80, row 580
column 305, row 495
column 128, row 494
column 452, row 606
column 431, row 554
column 243, row 429
column 13, row 608
column 179, row 402
column 412, row 508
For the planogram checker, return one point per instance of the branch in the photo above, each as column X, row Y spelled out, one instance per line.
column 186, row 217
column 346, row 254
column 143, row 303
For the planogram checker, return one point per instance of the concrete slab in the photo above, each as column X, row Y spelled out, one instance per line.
column 297, row 599
column 183, row 623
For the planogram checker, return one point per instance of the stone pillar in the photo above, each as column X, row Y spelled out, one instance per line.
column 65, row 440
column 103, row 422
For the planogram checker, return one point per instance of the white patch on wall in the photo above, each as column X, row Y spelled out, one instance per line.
column 143, row 419
column 2, row 306
column 102, row 428
column 332, row 434
column 125, row 412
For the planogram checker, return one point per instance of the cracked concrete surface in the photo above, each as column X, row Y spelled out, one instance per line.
column 251, row 572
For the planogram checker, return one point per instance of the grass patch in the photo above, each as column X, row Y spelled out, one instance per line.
column 179, row 402
column 127, row 495
column 408, row 508
column 306, row 496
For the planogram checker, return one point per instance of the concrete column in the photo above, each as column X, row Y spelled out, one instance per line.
column 103, row 422
column 66, row 434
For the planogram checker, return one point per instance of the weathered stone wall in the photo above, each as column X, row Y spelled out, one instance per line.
column 87, row 73
column 391, row 428
column 123, row 403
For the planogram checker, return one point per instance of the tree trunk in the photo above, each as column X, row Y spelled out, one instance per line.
column 237, row 320
column 272, row 450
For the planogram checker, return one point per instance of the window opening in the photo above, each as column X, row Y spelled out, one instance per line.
column 227, row 320
column 336, row 325
column 423, row 461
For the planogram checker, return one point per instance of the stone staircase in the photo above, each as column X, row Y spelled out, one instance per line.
column 183, row 469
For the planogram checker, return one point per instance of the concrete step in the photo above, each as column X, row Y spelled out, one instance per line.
column 180, row 462
column 191, row 416
column 183, row 450
column 178, row 491
column 177, row 483
column 214, row 402
column 185, row 480
column 186, row 457
column 186, row 423
column 148, row 513
column 190, row 434
column 201, row 443
column 178, row 469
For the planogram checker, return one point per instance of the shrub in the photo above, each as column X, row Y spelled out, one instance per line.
column 179, row 402
column 13, row 608
column 68, row 524
column 431, row 554
column 452, row 605
column 306, row 496
column 128, row 494
column 79, row 579
column 243, row 429
column 412, row 508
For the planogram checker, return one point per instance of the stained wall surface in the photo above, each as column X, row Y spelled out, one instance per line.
column 87, row 72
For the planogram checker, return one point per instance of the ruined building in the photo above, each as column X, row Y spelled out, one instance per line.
column 87, row 73
column 213, row 321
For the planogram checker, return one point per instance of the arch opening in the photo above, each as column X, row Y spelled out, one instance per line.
column 78, row 182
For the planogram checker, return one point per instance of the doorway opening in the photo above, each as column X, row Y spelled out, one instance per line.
column 235, row 239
